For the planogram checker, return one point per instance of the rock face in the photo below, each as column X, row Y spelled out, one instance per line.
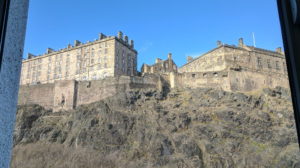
column 186, row 128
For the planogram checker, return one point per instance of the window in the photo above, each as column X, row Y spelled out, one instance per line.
column 277, row 65
column 99, row 66
column 284, row 67
column 259, row 63
column 269, row 64
column 234, row 58
column 105, row 51
column 193, row 75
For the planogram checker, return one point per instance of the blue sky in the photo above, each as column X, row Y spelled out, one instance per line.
column 184, row 28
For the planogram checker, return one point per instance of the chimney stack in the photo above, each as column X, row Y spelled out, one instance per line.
column 77, row 43
column 69, row 46
column 279, row 50
column 29, row 55
column 126, row 39
column 241, row 42
column 170, row 56
column 219, row 43
column 131, row 43
column 101, row 36
column 49, row 50
column 157, row 60
column 189, row 59
column 120, row 35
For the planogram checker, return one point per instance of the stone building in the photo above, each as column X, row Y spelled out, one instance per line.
column 234, row 68
column 106, row 56
column 160, row 66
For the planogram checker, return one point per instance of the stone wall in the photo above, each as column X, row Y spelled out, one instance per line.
column 64, row 95
column 218, row 79
column 37, row 94
column 68, row 94
column 253, row 80
column 211, row 61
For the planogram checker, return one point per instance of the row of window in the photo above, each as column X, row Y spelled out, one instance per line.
column 259, row 63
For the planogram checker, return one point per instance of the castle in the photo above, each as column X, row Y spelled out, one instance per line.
column 105, row 57
column 85, row 73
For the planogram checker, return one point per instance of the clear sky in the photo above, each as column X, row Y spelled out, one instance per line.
column 182, row 27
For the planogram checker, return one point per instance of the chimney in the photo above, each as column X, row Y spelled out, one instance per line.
column 219, row 43
column 170, row 56
column 77, row 43
column 29, row 55
column 241, row 42
column 101, row 36
column 157, row 60
column 49, row 50
column 189, row 59
column 131, row 43
column 126, row 39
column 69, row 46
column 120, row 35
column 279, row 50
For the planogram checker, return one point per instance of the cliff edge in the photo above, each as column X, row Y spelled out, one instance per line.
column 183, row 128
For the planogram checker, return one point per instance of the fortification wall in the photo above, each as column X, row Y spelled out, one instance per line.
column 68, row 94
column 252, row 80
column 64, row 95
column 217, row 80
column 37, row 94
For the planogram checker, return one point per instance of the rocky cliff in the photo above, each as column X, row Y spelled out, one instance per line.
column 185, row 128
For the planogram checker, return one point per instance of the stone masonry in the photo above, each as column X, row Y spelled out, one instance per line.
column 107, row 56
column 232, row 68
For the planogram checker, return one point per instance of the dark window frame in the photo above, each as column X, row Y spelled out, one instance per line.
column 290, row 28
column 4, row 8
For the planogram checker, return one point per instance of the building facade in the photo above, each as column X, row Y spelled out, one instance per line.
column 160, row 66
column 107, row 56
column 235, row 68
